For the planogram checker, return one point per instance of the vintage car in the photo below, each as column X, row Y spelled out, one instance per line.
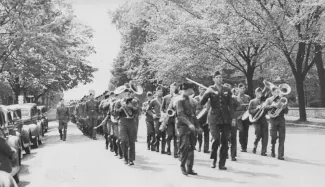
column 24, row 130
column 29, row 116
column 10, row 146
column 42, row 116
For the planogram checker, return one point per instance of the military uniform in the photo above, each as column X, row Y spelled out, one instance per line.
column 171, row 129
column 244, row 125
column 62, row 114
column 150, row 128
column 185, row 117
column 277, row 127
column 203, row 123
column 136, row 104
column 104, row 107
column 92, row 110
column 154, row 108
column 261, row 126
column 116, row 140
column 127, row 131
column 219, row 117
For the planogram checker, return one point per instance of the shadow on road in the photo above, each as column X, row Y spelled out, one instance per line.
column 143, row 163
column 23, row 183
column 254, row 174
column 255, row 162
column 217, row 179
column 298, row 161
column 29, row 156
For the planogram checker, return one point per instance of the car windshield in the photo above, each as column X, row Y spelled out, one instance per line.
column 24, row 113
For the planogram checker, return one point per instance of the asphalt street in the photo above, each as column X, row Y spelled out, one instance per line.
column 82, row 162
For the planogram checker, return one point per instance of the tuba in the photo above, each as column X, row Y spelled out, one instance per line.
column 282, row 102
column 132, row 86
column 268, row 86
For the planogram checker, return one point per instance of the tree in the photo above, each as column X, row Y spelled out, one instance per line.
column 291, row 26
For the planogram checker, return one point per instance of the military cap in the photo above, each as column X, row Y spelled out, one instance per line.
column 216, row 73
column 187, row 85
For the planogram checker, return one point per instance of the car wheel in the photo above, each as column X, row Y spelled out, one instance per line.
column 16, row 177
column 27, row 150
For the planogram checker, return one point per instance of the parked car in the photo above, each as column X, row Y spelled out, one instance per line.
column 29, row 116
column 10, row 146
column 24, row 130
column 42, row 111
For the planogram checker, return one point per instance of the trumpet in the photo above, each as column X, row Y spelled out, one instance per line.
column 171, row 112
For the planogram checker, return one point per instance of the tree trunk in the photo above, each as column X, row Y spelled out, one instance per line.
column 320, row 72
column 249, row 78
column 301, row 97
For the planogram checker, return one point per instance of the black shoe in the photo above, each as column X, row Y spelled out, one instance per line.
column 222, row 167
column 120, row 157
column 176, row 156
column 192, row 172
column 264, row 154
column 199, row 149
column 169, row 153
column 131, row 163
column 157, row 150
column 184, row 171
column 149, row 148
column 281, row 158
column 206, row 151
column 63, row 140
column 254, row 150
column 95, row 138
column 116, row 154
column 106, row 147
column 227, row 156
column 163, row 152
column 273, row 154
column 244, row 150
column 233, row 159
column 126, row 161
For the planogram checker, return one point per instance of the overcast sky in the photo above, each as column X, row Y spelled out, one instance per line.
column 106, row 41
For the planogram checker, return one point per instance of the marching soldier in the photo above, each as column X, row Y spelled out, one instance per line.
column 136, row 104
column 220, row 118
column 150, row 123
column 104, row 107
column 62, row 114
column 92, row 110
column 203, row 123
column 186, row 126
column 277, row 126
column 154, row 111
column 126, row 112
column 243, row 99
column 261, row 126
column 171, row 129
column 115, row 126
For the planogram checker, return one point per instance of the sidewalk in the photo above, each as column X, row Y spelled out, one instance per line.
column 311, row 122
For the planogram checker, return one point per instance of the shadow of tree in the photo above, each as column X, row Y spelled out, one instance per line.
column 299, row 161
column 143, row 163
column 23, row 183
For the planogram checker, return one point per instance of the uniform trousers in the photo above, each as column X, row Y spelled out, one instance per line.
column 220, row 132
column 261, row 132
column 233, row 141
column 204, row 136
column 128, row 136
column 151, row 139
column 159, row 135
column 92, row 121
column 186, row 148
column 243, row 134
column 107, row 126
column 116, row 140
column 278, row 130
column 63, row 125
column 171, row 134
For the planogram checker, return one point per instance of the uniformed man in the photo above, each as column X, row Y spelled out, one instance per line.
column 202, row 123
column 243, row 99
column 220, row 118
column 277, row 124
column 136, row 104
column 92, row 110
column 171, row 130
column 186, row 126
column 62, row 115
column 115, row 126
column 261, row 126
column 154, row 110
column 150, row 123
column 126, row 112
column 104, row 108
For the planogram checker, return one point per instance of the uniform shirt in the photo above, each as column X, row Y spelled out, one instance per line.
column 104, row 106
column 240, row 104
column 185, row 113
column 221, row 104
column 269, row 101
column 92, row 108
column 120, row 113
column 62, row 113
column 155, row 106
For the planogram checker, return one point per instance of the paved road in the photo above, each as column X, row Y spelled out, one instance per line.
column 81, row 162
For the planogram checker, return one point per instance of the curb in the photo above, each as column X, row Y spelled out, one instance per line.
column 291, row 124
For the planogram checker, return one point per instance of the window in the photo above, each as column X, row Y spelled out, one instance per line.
column 25, row 113
column 9, row 116
column 2, row 119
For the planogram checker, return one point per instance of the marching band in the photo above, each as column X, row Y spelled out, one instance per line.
column 180, row 116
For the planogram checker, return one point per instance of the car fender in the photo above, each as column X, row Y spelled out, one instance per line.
column 34, row 130
column 25, row 136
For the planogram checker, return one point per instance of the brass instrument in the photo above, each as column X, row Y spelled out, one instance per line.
column 268, row 86
column 171, row 112
column 134, row 87
column 282, row 102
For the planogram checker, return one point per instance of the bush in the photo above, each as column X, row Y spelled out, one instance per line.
column 315, row 103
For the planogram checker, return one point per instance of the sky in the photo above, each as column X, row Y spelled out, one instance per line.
column 106, row 41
